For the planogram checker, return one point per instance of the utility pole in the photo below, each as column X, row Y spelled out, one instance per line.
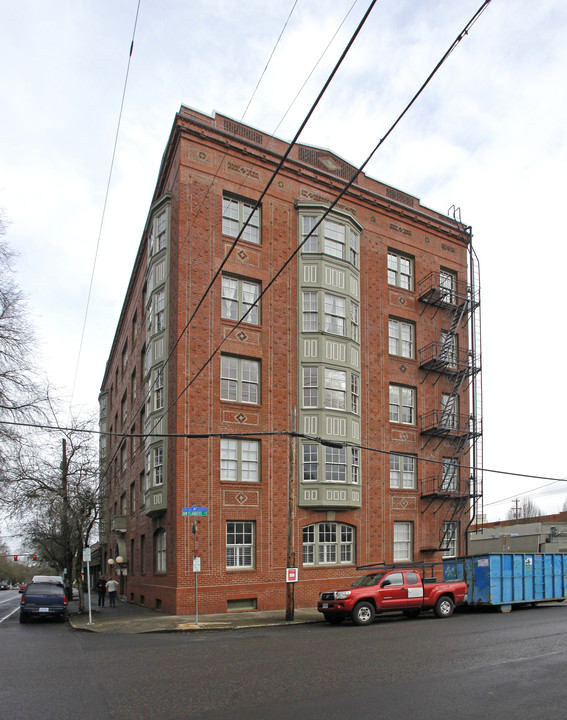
column 65, row 521
column 517, row 510
column 290, row 589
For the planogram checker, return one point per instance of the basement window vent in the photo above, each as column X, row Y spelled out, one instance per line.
column 242, row 604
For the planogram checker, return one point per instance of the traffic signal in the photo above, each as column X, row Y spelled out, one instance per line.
column 15, row 558
column 34, row 557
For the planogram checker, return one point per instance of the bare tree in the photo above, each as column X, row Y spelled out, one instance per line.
column 21, row 394
column 53, row 490
column 525, row 509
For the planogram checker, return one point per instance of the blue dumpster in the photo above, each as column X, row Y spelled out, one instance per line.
column 507, row 579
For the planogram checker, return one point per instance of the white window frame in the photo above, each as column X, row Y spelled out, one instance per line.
column 335, row 314
column 160, row 550
column 334, row 237
column 159, row 391
column 235, row 212
column 401, row 338
column 335, row 390
column 161, row 230
column 310, row 394
column 403, row 541
column 240, row 379
column 310, row 311
column 157, row 458
column 240, row 544
column 402, row 404
column 449, row 411
column 239, row 460
column 453, row 539
column 449, row 474
column 159, row 303
column 448, row 286
column 238, row 298
column 403, row 471
column 400, row 270
column 335, row 465
column 355, row 465
column 310, row 462
column 311, row 244
column 329, row 543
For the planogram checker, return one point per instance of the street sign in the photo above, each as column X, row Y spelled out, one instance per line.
column 291, row 575
column 194, row 511
column 196, row 564
column 86, row 555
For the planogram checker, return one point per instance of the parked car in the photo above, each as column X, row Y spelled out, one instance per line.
column 395, row 590
column 43, row 599
column 4, row 586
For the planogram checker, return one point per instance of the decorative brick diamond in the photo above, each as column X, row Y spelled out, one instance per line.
column 240, row 418
column 243, row 255
column 242, row 336
column 241, row 498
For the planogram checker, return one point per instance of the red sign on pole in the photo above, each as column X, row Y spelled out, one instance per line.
column 291, row 575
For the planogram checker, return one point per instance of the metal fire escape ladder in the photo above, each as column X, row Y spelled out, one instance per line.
column 464, row 434
column 470, row 443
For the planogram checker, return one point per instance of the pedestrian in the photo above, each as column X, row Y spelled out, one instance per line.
column 101, row 590
column 112, row 587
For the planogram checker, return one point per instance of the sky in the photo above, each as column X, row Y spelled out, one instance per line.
column 487, row 136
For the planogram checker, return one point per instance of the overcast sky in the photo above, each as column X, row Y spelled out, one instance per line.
column 487, row 136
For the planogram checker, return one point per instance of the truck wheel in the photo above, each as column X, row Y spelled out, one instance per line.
column 363, row 613
column 23, row 618
column 334, row 619
column 444, row 607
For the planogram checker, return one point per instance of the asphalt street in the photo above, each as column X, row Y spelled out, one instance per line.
column 470, row 665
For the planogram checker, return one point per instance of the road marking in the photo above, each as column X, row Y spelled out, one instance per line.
column 15, row 610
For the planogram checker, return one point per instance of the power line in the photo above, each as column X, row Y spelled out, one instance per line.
column 105, row 202
column 277, row 433
column 348, row 185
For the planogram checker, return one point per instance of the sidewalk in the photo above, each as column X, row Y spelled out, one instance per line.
column 129, row 618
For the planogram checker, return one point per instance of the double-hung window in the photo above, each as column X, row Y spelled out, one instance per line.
column 235, row 213
column 334, row 239
column 158, row 466
column 335, row 464
column 354, row 393
column 449, row 542
column 160, row 310
column 240, row 460
column 310, row 312
column 400, row 270
column 240, row 544
column 448, row 286
column 240, row 379
column 310, row 462
column 335, row 314
column 161, row 231
column 403, row 541
column 238, row 300
column 403, row 474
column 401, row 337
column 160, row 552
column 311, row 242
column 402, row 404
column 335, row 389
column 449, row 470
column 158, row 389
column 449, row 411
column 310, row 387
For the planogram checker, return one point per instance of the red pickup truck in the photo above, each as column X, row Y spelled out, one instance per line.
column 384, row 591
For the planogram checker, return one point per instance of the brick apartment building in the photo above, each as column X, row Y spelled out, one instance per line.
column 322, row 409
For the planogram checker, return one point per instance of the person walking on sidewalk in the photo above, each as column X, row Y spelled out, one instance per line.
column 112, row 587
column 101, row 590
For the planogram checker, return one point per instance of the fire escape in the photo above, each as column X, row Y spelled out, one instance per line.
column 457, row 486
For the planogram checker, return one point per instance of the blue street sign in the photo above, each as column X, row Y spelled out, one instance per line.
column 194, row 511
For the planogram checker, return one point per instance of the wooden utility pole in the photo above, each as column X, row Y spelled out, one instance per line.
column 290, row 587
